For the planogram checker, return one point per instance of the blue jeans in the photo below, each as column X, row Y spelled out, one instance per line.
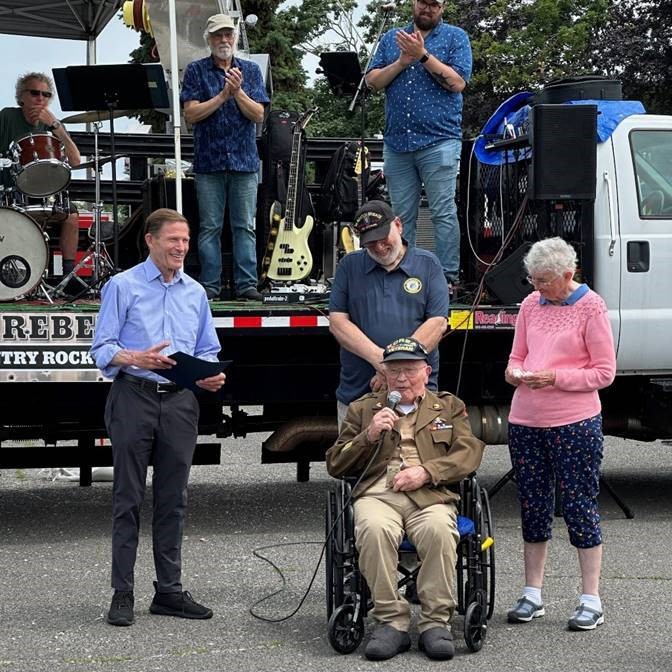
column 435, row 167
column 214, row 191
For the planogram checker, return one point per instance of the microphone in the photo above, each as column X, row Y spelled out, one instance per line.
column 387, row 7
column 393, row 398
column 251, row 20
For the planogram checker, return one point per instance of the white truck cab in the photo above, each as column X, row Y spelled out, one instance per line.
column 633, row 241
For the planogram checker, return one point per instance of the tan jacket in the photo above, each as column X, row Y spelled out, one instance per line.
column 448, row 450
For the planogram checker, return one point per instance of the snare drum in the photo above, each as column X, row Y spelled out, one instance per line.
column 40, row 166
column 24, row 254
column 45, row 211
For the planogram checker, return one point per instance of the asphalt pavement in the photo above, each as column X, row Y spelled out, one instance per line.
column 54, row 576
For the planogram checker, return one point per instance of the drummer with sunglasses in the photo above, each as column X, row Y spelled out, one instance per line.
column 34, row 93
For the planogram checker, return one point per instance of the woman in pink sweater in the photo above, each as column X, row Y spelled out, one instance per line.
column 562, row 354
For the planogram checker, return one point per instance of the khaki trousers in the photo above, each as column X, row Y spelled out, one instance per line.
column 380, row 522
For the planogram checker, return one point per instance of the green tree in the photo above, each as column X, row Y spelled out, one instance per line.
column 635, row 46
column 519, row 45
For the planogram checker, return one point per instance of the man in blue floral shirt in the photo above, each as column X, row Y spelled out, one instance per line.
column 224, row 97
column 424, row 67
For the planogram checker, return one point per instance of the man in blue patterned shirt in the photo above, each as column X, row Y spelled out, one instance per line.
column 424, row 67
column 224, row 97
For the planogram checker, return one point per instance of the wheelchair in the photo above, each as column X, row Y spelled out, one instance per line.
column 348, row 597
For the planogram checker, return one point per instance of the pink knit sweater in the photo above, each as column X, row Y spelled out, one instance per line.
column 575, row 341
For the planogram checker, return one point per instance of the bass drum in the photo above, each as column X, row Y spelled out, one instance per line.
column 23, row 254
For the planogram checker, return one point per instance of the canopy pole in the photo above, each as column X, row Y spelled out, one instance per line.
column 175, row 86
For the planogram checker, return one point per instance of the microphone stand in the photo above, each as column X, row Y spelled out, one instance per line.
column 362, row 91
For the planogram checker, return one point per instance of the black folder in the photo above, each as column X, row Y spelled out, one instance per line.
column 189, row 369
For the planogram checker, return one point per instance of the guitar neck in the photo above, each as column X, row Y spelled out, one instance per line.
column 293, row 186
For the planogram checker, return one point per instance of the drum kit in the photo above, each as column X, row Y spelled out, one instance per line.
column 38, row 199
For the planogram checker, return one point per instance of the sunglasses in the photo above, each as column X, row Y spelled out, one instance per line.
column 37, row 92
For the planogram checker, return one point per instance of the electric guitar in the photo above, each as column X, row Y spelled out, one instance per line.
column 349, row 238
column 291, row 259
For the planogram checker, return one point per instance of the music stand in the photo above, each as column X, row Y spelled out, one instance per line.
column 342, row 71
column 106, row 88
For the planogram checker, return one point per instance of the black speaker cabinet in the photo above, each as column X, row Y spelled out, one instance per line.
column 159, row 192
column 564, row 152
column 508, row 279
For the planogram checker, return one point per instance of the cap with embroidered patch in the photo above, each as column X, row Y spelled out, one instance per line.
column 218, row 21
column 372, row 221
column 405, row 348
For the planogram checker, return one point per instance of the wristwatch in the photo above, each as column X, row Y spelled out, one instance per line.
column 55, row 125
column 424, row 58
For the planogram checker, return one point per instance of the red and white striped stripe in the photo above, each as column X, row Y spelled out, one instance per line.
column 276, row 321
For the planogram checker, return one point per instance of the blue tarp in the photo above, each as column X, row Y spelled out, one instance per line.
column 514, row 112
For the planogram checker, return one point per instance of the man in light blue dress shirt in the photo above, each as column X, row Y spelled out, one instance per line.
column 146, row 310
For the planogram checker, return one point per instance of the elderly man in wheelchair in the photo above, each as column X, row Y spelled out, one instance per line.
column 406, row 448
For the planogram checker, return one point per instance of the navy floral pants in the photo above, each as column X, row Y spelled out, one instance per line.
column 570, row 454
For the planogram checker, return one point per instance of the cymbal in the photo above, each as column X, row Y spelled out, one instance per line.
column 92, row 164
column 94, row 115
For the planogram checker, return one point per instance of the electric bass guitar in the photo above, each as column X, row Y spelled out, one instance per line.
column 291, row 259
column 349, row 238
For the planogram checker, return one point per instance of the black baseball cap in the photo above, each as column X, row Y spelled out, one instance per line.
column 405, row 348
column 372, row 221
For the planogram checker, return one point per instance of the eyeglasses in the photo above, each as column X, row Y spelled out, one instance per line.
column 37, row 92
column 541, row 283
column 409, row 373
column 430, row 5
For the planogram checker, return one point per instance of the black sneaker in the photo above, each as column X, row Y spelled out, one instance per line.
column 250, row 294
column 121, row 609
column 181, row 605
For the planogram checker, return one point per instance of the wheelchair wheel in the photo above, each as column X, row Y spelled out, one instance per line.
column 344, row 632
column 333, row 562
column 488, row 555
column 475, row 626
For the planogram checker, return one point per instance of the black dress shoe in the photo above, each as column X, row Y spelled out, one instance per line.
column 250, row 294
column 181, row 605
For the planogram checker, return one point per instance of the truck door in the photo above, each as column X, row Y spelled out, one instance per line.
column 643, row 161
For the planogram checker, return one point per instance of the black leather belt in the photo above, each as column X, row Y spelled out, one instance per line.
column 152, row 385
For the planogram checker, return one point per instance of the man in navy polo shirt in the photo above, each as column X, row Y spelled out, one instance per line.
column 385, row 291
column 424, row 68
column 224, row 97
